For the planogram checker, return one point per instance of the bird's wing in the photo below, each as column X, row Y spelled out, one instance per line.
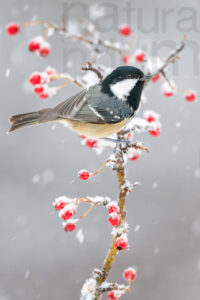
column 69, row 108
column 91, row 106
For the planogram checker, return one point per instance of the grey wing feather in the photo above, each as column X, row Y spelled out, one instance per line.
column 91, row 105
column 68, row 109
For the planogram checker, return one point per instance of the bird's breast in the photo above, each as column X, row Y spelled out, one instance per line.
column 96, row 130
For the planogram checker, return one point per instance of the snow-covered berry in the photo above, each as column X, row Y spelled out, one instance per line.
column 90, row 143
column 67, row 212
column 168, row 94
column 12, row 28
column 133, row 154
column 45, row 49
column 168, row 90
column 129, row 274
column 44, row 95
column 35, row 78
column 190, row 96
column 38, row 89
column 140, row 56
column 155, row 78
column 69, row 227
column 155, row 132
column 33, row 45
column 84, row 175
column 60, row 202
column 151, row 116
column 114, row 219
column 150, row 119
column 112, row 208
column 121, row 243
column 112, row 295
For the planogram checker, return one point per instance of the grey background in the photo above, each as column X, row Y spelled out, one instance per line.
column 166, row 249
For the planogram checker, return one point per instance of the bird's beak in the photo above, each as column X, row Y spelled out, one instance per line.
column 146, row 77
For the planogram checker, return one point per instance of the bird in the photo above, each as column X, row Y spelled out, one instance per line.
column 95, row 112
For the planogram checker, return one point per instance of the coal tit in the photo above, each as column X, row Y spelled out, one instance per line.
column 98, row 111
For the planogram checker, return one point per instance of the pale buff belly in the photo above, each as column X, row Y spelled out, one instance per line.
column 96, row 130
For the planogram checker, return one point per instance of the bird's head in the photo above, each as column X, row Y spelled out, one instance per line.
column 126, row 84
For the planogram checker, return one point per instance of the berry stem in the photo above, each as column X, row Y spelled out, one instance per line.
column 85, row 214
column 101, row 168
column 68, row 79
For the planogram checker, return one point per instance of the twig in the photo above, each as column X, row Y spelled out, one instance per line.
column 96, row 71
column 85, row 214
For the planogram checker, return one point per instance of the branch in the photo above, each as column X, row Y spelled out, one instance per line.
column 112, row 253
column 98, row 42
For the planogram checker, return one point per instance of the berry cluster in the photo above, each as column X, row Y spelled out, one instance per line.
column 153, row 118
column 40, row 81
column 113, row 211
column 39, row 46
column 67, row 209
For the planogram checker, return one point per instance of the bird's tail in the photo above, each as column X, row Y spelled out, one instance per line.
column 28, row 119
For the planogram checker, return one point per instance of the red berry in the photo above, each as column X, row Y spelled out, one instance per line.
column 69, row 227
column 35, row 79
column 155, row 78
column 121, row 244
column 44, row 95
column 113, row 209
column 44, row 51
column 67, row 214
column 60, row 205
column 38, row 89
column 82, row 137
column 133, row 154
column 190, row 96
column 140, row 57
column 134, row 157
column 126, row 58
column 129, row 274
column 114, row 221
column 150, row 119
column 168, row 94
column 155, row 132
column 12, row 29
column 84, row 175
column 90, row 143
column 33, row 46
column 111, row 295
column 125, row 30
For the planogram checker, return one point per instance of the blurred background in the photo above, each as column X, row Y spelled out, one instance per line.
column 38, row 259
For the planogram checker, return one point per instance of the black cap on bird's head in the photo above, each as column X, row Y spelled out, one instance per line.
column 125, row 83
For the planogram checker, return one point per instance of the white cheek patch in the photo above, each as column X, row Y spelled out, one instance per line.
column 123, row 88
